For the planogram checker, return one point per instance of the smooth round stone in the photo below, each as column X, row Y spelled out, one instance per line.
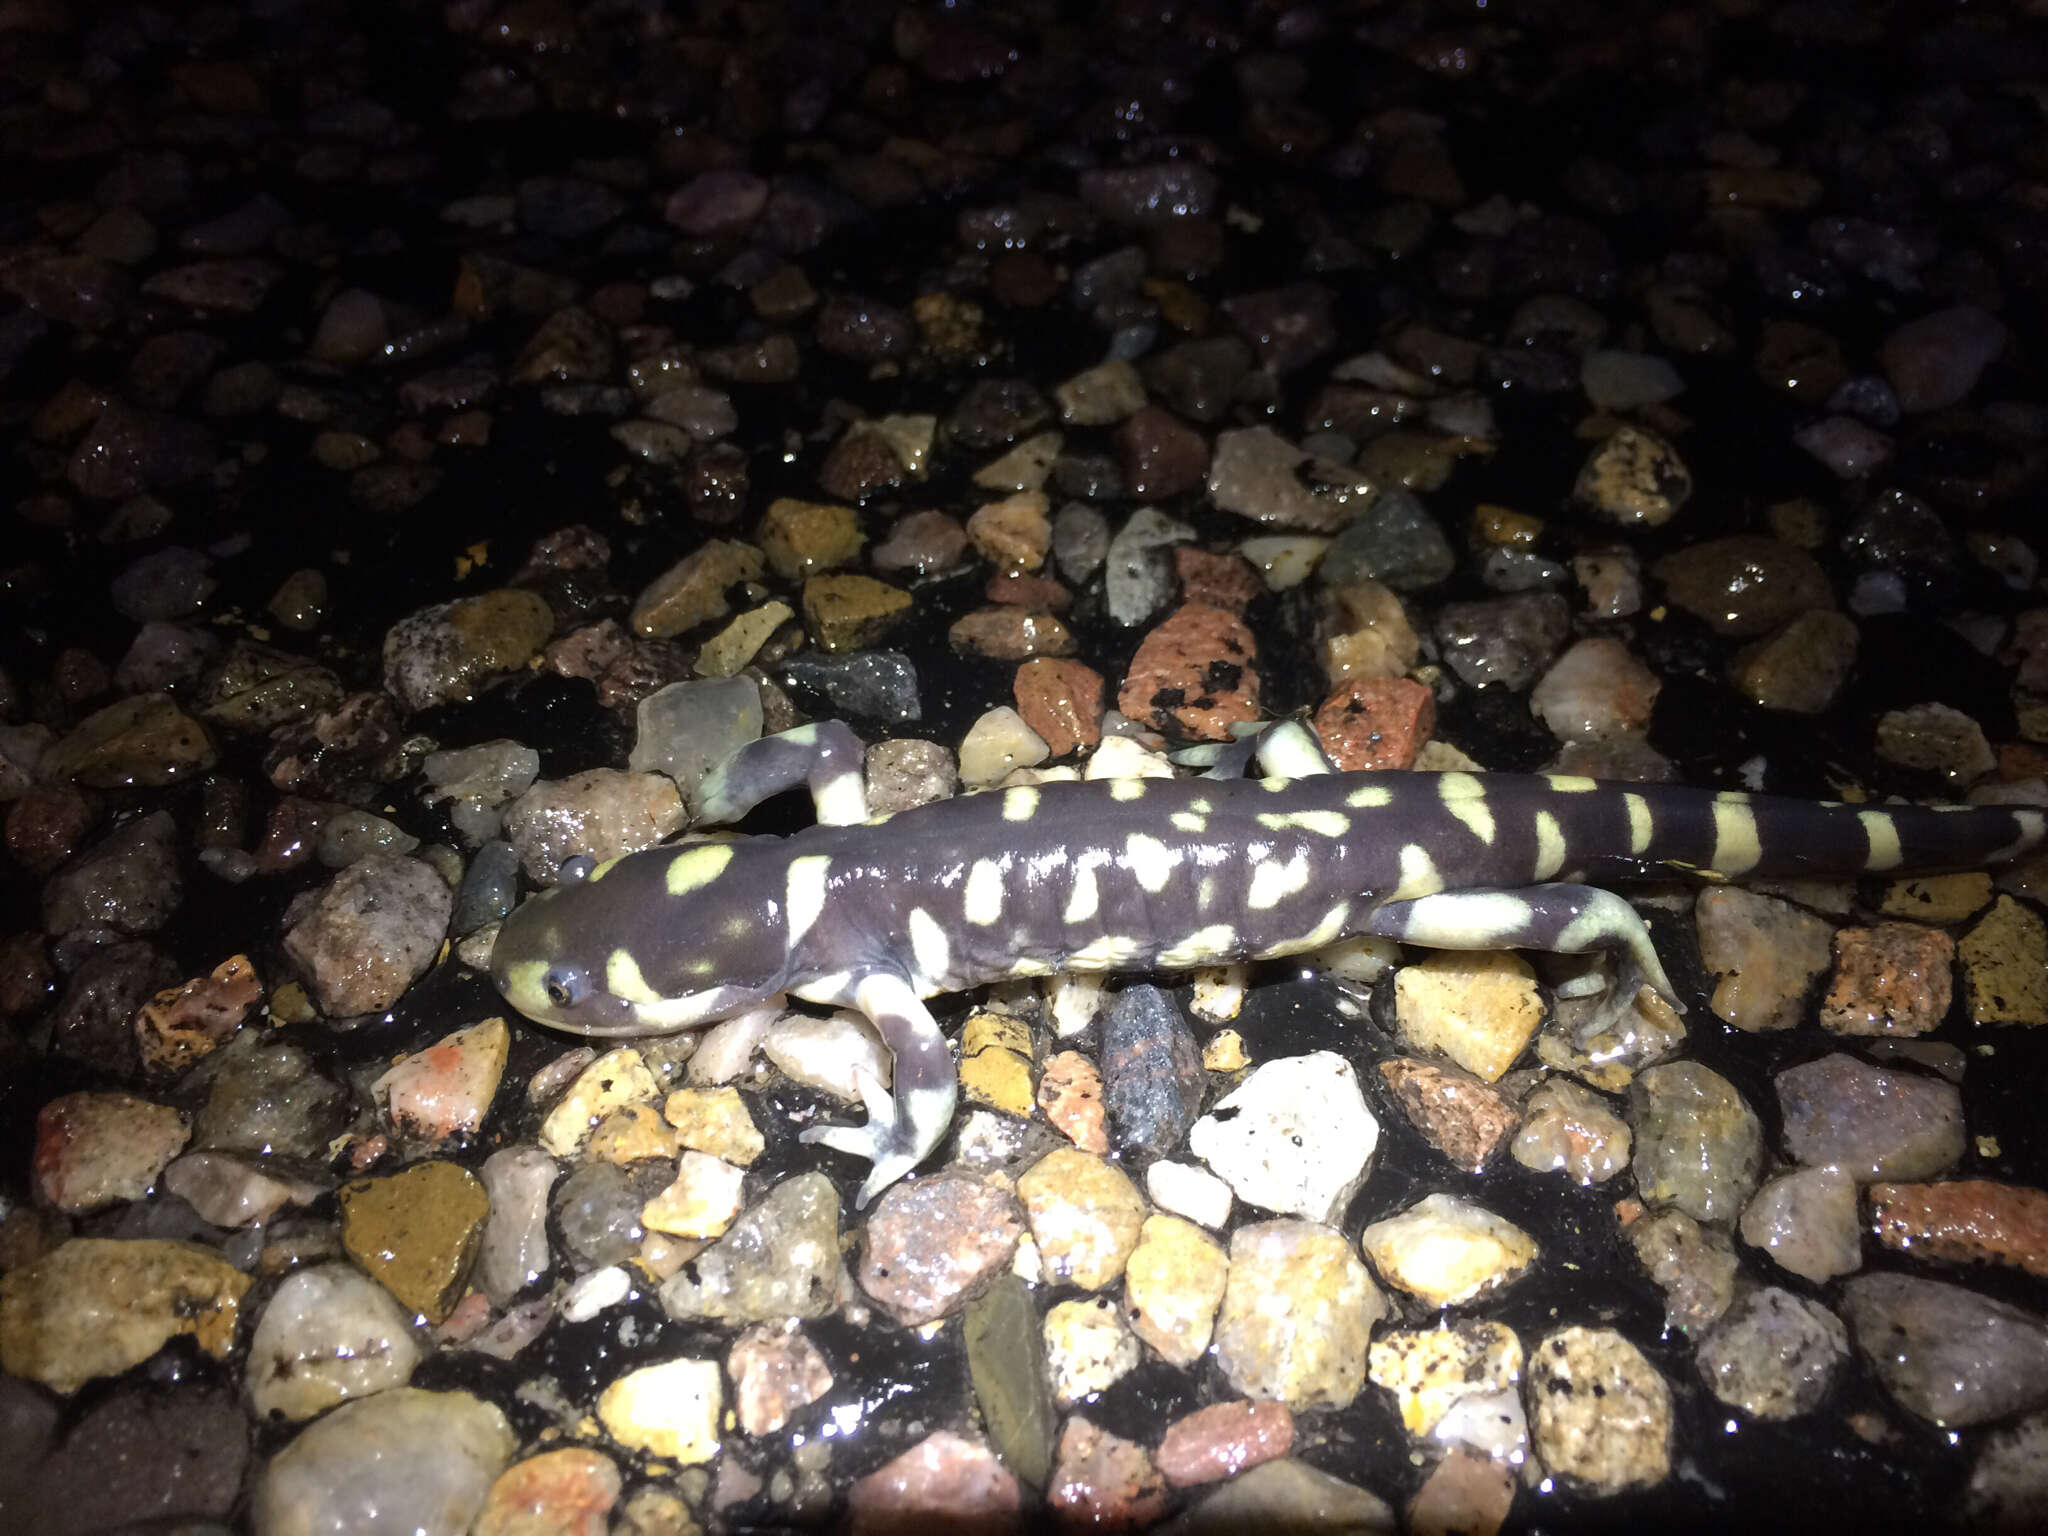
column 329, row 1334
column 402, row 1463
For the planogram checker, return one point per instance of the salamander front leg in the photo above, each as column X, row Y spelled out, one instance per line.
column 901, row 1131
column 1561, row 919
column 1286, row 749
column 826, row 756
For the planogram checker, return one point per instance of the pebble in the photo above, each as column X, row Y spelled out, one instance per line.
column 143, row 742
column 1744, row 585
column 1085, row 1216
column 440, row 654
column 996, row 745
column 570, row 1491
column 1951, row 1356
column 1186, row 1190
column 1934, row 362
column 1025, row 467
column 717, row 1121
column 619, row 1079
column 1624, row 381
column 2005, row 966
column 1375, row 723
column 1103, row 1482
column 264, row 1097
column 1284, row 561
column 1223, row 1441
column 804, row 538
column 780, row 1259
column 1505, row 640
column 1935, row 738
column 597, row 1208
column 842, row 612
column 1088, row 1349
column 417, row 1232
column 1774, row 1354
column 513, row 1252
column 1288, row 1495
column 1872, row 1123
column 693, row 591
column 1698, row 1145
column 401, row 1460
column 93, row 1307
column 94, row 1149
column 1463, row 1494
column 1137, row 568
column 1366, row 631
column 1600, row 1412
column 1569, row 1129
column 1295, row 1136
column 1481, row 1010
column 776, row 1372
column 1173, row 1283
column 1889, row 980
column 944, row 1471
column 1194, row 675
column 1596, row 689
column 671, row 1410
column 372, row 932
column 1152, row 1072
column 127, row 881
column 1694, row 1266
column 934, row 1244
column 1460, row 1116
column 1766, row 954
column 828, row 1054
column 328, row 1334
column 1802, row 666
column 590, row 1294
column 1007, row 1364
column 1062, row 702
column 1395, row 540
column 1297, row 1312
column 1964, row 1221
column 234, row 1191
column 447, row 1089
column 1445, row 1250
column 1806, row 1219
column 701, row 1202
column 143, row 1456
column 1161, row 456
column 1070, row 1095
column 686, row 729
column 1431, row 1371
column 1257, row 474
column 1634, row 479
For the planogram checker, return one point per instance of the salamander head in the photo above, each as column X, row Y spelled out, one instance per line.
column 647, row 945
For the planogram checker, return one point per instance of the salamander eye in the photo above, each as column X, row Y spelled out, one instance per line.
column 577, row 869
column 566, row 986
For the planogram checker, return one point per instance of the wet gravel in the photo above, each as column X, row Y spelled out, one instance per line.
column 438, row 434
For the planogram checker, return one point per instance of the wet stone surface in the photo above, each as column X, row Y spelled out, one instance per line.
column 437, row 438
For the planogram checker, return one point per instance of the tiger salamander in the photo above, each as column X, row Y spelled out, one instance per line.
column 1144, row 875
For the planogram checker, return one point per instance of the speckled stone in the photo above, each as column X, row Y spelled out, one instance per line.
column 2005, row 966
column 1085, row 1215
column 1194, row 675
column 1601, row 1414
column 1297, row 1312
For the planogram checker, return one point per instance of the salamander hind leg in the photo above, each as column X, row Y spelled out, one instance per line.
column 1560, row 919
column 902, row 1130
column 826, row 756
